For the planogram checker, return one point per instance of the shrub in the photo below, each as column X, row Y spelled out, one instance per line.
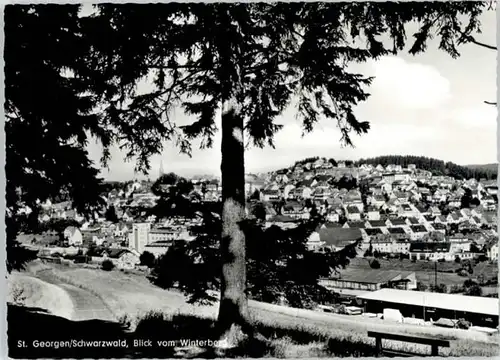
column 107, row 265
column 421, row 286
column 441, row 288
column 456, row 289
column 375, row 264
column 474, row 290
column 457, row 259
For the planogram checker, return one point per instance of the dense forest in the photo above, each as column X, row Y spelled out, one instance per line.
column 437, row 167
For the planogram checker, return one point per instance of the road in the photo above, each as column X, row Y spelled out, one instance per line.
column 87, row 306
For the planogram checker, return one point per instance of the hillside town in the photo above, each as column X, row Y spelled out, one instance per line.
column 391, row 210
column 405, row 214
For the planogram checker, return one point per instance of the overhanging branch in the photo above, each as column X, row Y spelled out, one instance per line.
column 474, row 41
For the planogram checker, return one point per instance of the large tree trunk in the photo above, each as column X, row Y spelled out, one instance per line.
column 233, row 311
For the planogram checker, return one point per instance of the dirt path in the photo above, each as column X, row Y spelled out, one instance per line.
column 87, row 306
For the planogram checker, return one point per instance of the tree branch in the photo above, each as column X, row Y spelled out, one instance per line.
column 474, row 41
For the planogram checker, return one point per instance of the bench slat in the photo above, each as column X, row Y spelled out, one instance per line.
column 409, row 338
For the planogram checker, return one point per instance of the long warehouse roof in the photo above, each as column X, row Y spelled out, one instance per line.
column 471, row 304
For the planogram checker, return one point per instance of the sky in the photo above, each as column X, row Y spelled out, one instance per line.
column 426, row 105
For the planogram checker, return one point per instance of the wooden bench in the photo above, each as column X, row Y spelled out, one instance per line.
column 434, row 343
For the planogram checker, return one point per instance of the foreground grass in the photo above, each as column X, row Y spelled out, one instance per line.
column 290, row 340
column 35, row 293
column 292, row 332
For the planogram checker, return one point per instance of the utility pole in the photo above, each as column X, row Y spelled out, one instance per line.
column 435, row 275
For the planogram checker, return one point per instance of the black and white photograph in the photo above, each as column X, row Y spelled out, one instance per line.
column 251, row 180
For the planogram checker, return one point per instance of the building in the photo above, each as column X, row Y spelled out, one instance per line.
column 333, row 238
column 433, row 251
column 139, row 236
column 352, row 280
column 480, row 311
column 158, row 248
column 73, row 235
column 353, row 213
column 391, row 246
column 122, row 258
column 492, row 250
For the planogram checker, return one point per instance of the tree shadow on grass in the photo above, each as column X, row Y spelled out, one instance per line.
column 162, row 336
column 30, row 331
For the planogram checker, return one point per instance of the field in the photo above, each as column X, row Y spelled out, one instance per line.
column 299, row 333
column 424, row 270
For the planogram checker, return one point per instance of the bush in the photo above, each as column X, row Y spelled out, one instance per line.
column 421, row 286
column 455, row 289
column 107, row 265
column 474, row 290
column 441, row 288
column 457, row 259
column 375, row 264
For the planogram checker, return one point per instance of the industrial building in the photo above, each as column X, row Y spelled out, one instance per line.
column 480, row 311
column 352, row 281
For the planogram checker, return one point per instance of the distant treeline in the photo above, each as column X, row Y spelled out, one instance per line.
column 437, row 167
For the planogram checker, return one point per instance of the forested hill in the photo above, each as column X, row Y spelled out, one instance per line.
column 437, row 167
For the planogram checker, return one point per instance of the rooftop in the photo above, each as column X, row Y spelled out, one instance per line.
column 471, row 304
column 372, row 276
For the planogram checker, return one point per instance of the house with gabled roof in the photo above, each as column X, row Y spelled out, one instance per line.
column 371, row 233
column 376, row 200
column 491, row 189
column 399, row 221
column 454, row 201
column 418, row 232
column 407, row 210
column 489, row 202
column 354, row 225
column 440, row 195
column 466, row 212
column 431, row 251
column 282, row 221
column 413, row 220
column 491, row 247
column 270, row 195
column 332, row 215
column 439, row 227
column 455, row 217
column 372, row 213
column 333, row 238
column 443, row 219
column 382, row 224
column 434, row 210
column 353, row 213
column 428, row 218
column 295, row 210
column 73, row 235
column 321, row 193
column 398, row 233
column 422, row 210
